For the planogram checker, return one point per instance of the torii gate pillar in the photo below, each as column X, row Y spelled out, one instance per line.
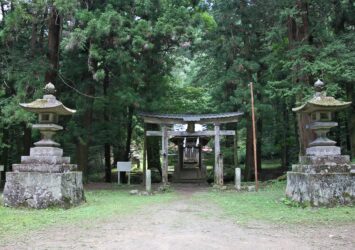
column 218, row 160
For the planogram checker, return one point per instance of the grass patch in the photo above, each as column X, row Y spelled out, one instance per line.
column 100, row 204
column 267, row 205
column 270, row 164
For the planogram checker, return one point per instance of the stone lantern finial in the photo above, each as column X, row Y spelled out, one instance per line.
column 49, row 89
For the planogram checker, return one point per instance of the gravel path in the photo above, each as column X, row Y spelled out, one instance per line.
column 185, row 223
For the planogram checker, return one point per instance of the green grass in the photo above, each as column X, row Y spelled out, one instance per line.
column 268, row 206
column 100, row 204
column 270, row 164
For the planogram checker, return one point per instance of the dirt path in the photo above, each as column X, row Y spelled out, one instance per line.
column 184, row 224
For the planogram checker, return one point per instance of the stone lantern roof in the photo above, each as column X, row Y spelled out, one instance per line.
column 49, row 103
column 321, row 102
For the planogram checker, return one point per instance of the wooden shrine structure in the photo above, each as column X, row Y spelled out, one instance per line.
column 190, row 142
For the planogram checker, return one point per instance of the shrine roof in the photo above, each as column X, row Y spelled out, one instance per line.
column 191, row 118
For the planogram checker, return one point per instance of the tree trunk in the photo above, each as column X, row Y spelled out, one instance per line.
column 298, row 33
column 352, row 132
column 83, row 142
column 351, row 118
column 339, row 19
column 127, row 148
column 5, row 152
column 27, row 138
column 129, row 132
column 107, row 146
column 259, row 135
column 285, row 159
column 82, row 157
column 34, row 36
column 43, row 30
column 305, row 135
column 54, row 25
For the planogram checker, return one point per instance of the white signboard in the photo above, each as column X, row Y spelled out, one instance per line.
column 1, row 168
column 124, row 166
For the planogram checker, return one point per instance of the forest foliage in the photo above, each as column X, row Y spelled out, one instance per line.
column 111, row 59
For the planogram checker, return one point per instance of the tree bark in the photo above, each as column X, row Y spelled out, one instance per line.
column 107, row 146
column 285, row 158
column 27, row 136
column 83, row 142
column 351, row 118
column 352, row 132
column 34, row 35
column 42, row 31
column 129, row 132
column 306, row 136
column 259, row 135
column 298, row 32
column 5, row 152
column 54, row 25
column 82, row 157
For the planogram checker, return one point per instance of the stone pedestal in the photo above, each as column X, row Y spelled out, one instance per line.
column 42, row 190
column 44, row 179
column 322, row 180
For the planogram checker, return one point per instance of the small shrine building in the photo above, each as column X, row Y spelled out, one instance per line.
column 189, row 167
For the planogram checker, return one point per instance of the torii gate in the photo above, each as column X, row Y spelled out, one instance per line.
column 164, row 120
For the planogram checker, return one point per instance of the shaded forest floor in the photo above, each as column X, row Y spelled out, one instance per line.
column 191, row 217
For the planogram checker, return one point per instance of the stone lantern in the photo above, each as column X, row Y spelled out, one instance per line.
column 48, row 110
column 320, row 108
column 44, row 178
column 323, row 176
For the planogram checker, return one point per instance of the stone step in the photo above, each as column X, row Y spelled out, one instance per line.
column 45, row 160
column 46, row 151
column 322, row 169
column 324, row 160
column 323, row 150
column 44, row 168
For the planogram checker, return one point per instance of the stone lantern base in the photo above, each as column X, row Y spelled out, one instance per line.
column 44, row 179
column 42, row 190
column 326, row 180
